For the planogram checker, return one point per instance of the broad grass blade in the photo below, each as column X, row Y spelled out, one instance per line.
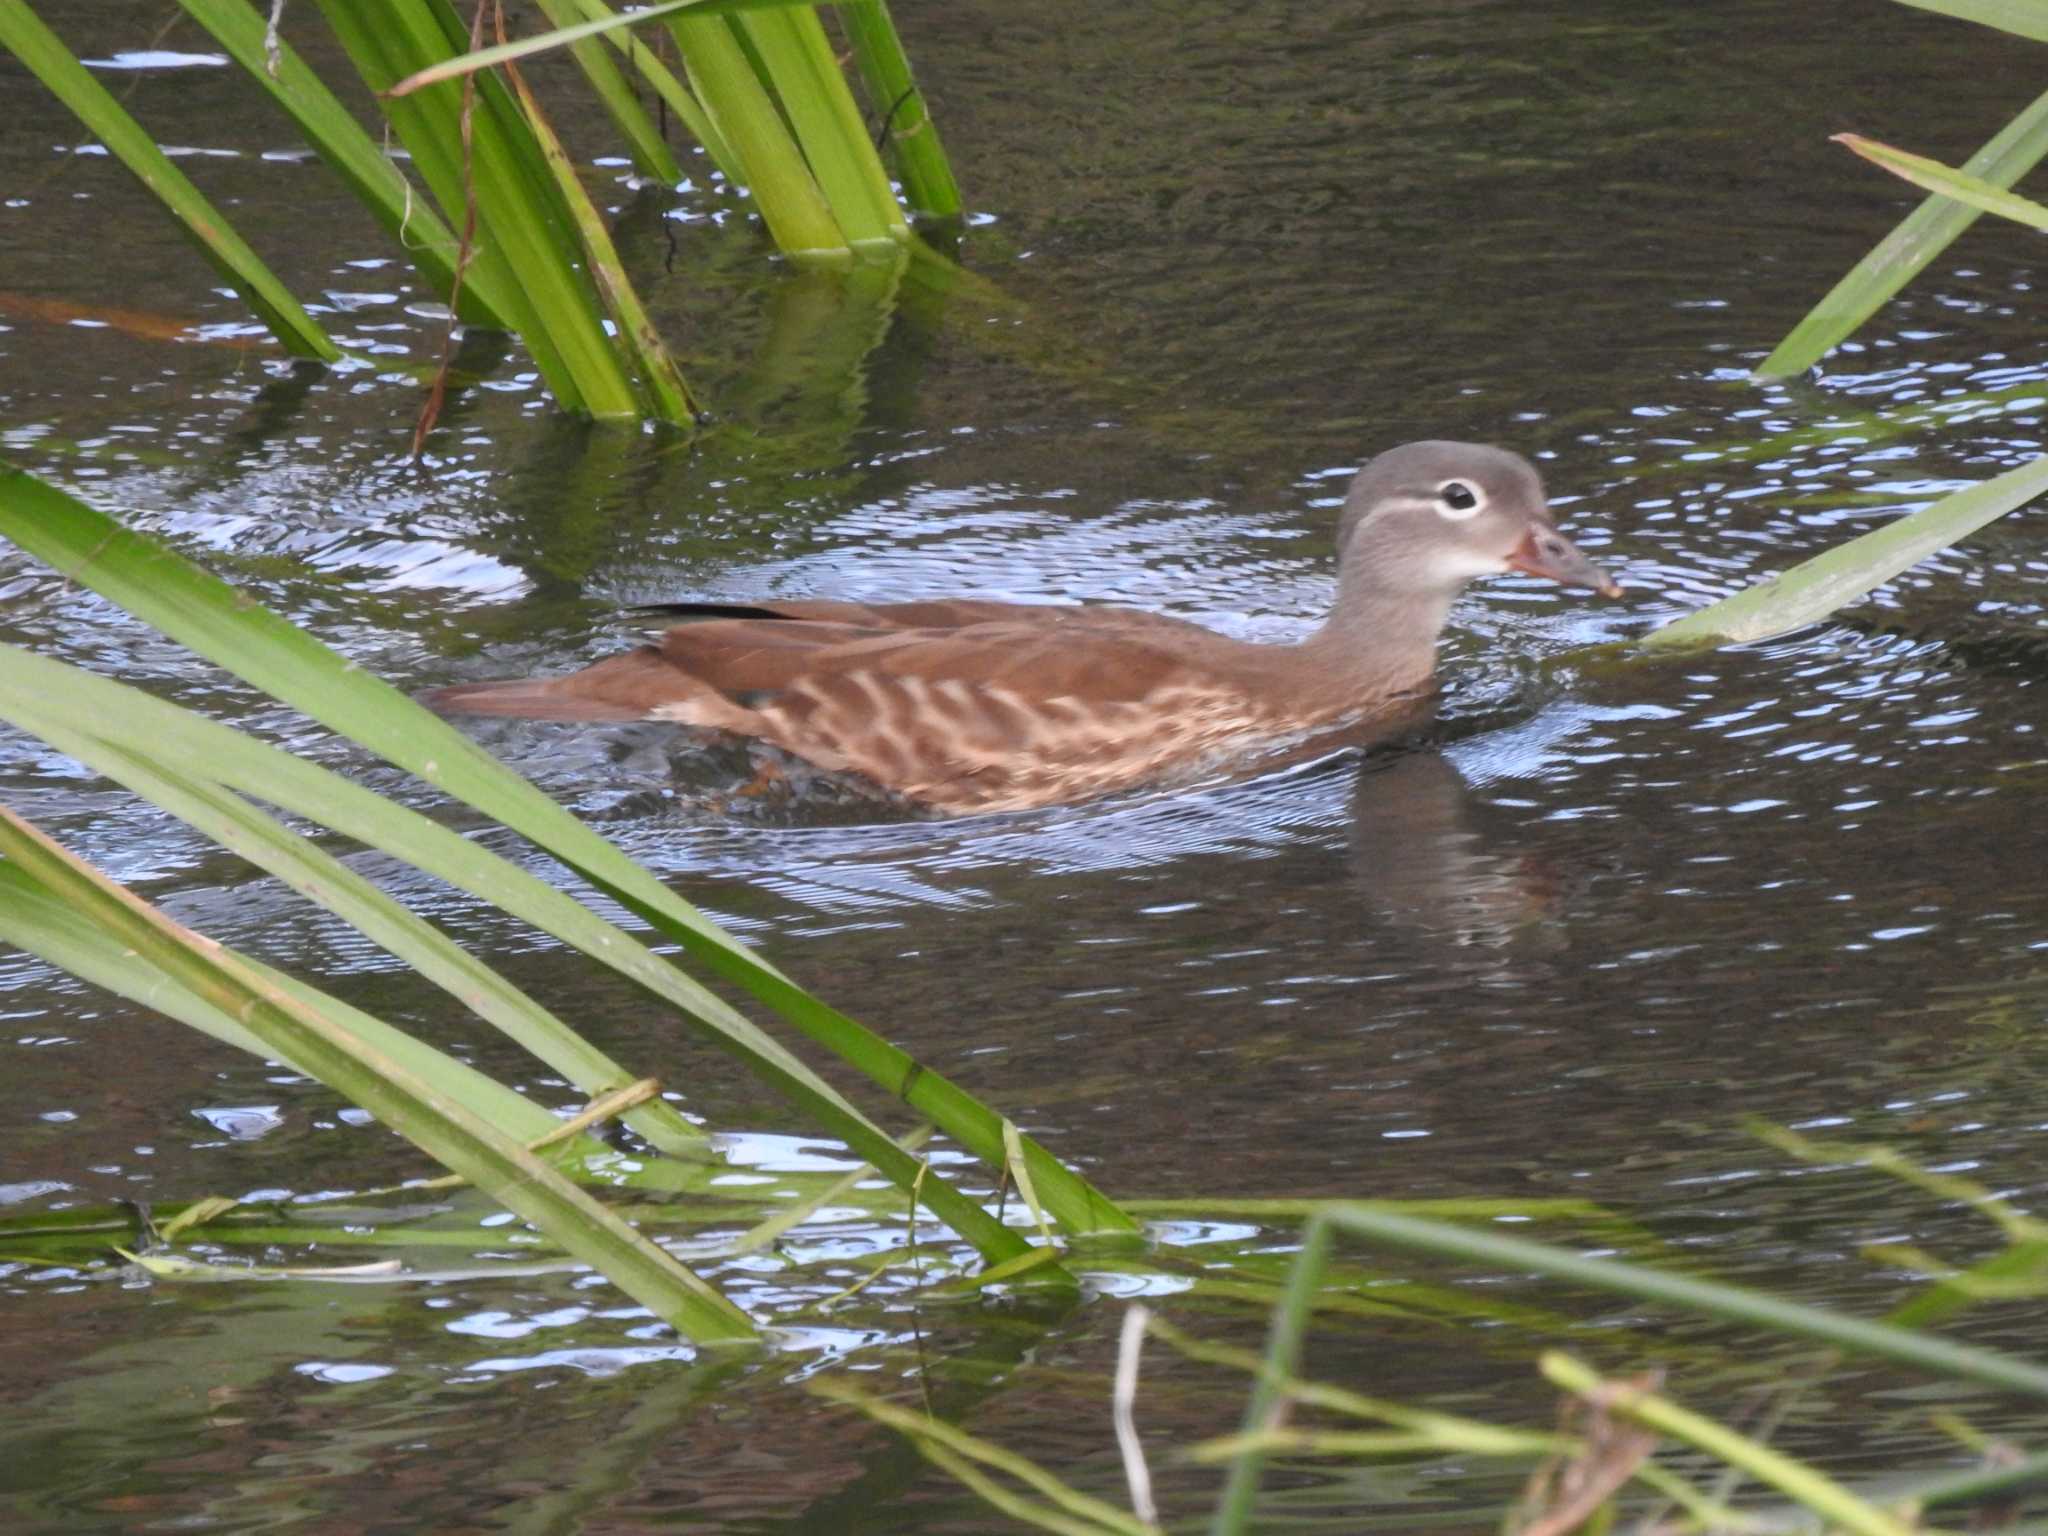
column 255, row 768
column 1708, row 1298
column 32, row 919
column 100, row 725
column 2022, row 18
column 322, row 1044
column 1816, row 588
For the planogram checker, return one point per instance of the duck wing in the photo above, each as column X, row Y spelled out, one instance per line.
column 946, row 613
column 1008, row 706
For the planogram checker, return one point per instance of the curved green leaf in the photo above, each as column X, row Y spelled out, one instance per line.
column 323, row 1044
column 23, row 34
column 1920, row 237
column 1815, row 588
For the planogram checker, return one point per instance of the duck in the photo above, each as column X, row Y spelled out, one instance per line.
column 962, row 706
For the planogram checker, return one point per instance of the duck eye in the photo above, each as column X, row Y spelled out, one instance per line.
column 1458, row 498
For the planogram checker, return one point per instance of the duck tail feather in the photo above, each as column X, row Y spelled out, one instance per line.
column 525, row 699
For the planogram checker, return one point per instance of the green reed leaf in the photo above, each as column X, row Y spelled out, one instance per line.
column 23, row 34
column 1816, row 588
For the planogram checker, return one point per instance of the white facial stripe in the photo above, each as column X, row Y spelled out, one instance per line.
column 1455, row 567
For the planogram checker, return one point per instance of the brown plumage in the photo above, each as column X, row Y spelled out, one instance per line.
column 964, row 705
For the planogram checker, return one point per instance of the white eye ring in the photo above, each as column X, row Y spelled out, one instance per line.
column 1458, row 500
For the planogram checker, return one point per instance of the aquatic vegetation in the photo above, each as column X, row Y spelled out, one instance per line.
column 517, row 243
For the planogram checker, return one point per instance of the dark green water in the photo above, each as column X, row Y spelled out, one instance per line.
column 1564, row 951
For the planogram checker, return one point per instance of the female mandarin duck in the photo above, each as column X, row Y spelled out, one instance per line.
column 961, row 706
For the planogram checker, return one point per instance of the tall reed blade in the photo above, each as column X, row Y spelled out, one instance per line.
column 652, row 157
column 792, row 49
column 904, row 122
column 519, row 205
column 777, row 113
column 665, row 396
column 799, row 219
column 1904, row 253
column 664, row 83
column 339, row 140
column 23, row 34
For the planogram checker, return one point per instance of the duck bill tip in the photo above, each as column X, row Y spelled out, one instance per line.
column 1547, row 553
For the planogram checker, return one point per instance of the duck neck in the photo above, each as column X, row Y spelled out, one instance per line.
column 1379, row 640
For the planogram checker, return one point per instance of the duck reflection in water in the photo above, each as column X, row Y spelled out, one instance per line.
column 1419, row 853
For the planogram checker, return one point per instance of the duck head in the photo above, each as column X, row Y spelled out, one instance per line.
column 1426, row 518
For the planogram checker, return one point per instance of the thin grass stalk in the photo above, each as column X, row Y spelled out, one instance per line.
column 1976, row 1485
column 1711, row 1298
column 1005, row 1500
column 1443, row 1431
column 652, row 157
column 905, row 123
column 23, row 34
column 798, row 218
column 797, row 1212
column 1282, row 1364
column 1836, row 1505
column 807, row 80
column 2016, row 1225
column 450, row 1134
column 355, row 157
column 1904, row 253
column 2020, row 1268
column 601, row 24
column 925, row 1432
column 198, row 610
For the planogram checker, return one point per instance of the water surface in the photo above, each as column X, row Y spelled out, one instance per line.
column 1562, row 945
